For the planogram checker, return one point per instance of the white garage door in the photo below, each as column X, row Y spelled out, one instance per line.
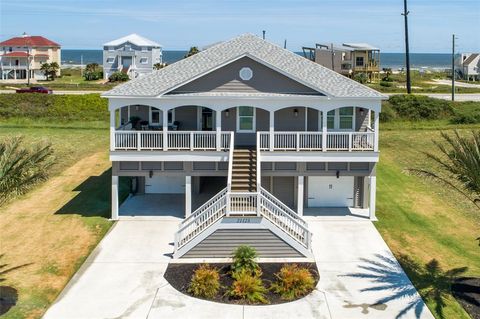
column 165, row 184
column 330, row 191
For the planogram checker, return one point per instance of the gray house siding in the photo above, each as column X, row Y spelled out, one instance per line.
column 227, row 79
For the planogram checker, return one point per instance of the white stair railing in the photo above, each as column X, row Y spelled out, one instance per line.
column 202, row 218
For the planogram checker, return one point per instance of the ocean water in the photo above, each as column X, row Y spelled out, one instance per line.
column 387, row 60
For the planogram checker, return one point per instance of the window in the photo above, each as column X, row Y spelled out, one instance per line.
column 127, row 47
column 331, row 120
column 144, row 49
column 156, row 119
column 341, row 119
column 245, row 119
column 346, row 118
column 359, row 61
column 110, row 60
column 111, row 49
column 143, row 60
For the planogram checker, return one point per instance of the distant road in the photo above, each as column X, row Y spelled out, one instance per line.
column 60, row 92
column 474, row 97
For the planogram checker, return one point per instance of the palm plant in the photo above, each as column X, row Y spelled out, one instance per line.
column 22, row 167
column 192, row 51
column 459, row 164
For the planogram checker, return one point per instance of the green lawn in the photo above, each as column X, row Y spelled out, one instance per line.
column 422, row 221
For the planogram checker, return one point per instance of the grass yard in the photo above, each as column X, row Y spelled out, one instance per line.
column 422, row 221
column 47, row 233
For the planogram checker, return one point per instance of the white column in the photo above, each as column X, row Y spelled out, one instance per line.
column 373, row 191
column 300, row 195
column 112, row 129
column 165, row 129
column 188, row 196
column 271, row 129
column 114, row 197
column 324, row 131
column 377, row 131
column 218, row 121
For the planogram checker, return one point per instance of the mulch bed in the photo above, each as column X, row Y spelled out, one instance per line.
column 467, row 293
column 179, row 276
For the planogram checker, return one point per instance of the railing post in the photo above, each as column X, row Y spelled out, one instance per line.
column 227, row 208
column 112, row 130
column 271, row 136
column 298, row 141
column 218, row 120
column 258, row 203
column 138, row 141
column 377, row 131
column 324, row 131
column 165, row 129
column 350, row 137
column 191, row 141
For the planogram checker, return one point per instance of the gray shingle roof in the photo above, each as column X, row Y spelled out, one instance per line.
column 298, row 68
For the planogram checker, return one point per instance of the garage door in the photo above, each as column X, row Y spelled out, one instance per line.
column 165, row 184
column 330, row 191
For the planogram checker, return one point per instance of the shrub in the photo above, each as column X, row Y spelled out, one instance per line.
column 361, row 78
column 293, row 282
column 388, row 113
column 118, row 77
column 419, row 107
column 205, row 282
column 386, row 83
column 54, row 107
column 248, row 287
column 92, row 72
column 465, row 119
column 244, row 259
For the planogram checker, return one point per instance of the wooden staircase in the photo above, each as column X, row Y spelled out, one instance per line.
column 244, row 170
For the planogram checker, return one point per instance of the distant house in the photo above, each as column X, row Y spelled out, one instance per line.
column 22, row 57
column 468, row 66
column 347, row 59
column 132, row 54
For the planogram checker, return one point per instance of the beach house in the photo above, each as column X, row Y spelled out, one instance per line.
column 468, row 65
column 132, row 54
column 22, row 57
column 347, row 59
column 241, row 141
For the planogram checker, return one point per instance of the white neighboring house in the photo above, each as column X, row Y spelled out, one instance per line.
column 243, row 139
column 132, row 54
column 468, row 64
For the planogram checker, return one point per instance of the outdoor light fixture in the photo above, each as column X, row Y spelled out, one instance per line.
column 136, row 107
column 338, row 174
column 227, row 113
column 295, row 112
column 150, row 174
column 362, row 111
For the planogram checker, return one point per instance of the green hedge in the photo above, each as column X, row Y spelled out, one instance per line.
column 88, row 107
column 419, row 107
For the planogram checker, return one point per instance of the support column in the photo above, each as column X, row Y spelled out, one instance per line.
column 112, row 129
column 165, row 129
column 377, row 132
column 324, row 131
column 114, row 197
column 300, row 195
column 271, row 130
column 373, row 192
column 188, row 196
column 218, row 121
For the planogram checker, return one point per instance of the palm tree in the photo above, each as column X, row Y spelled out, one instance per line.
column 54, row 67
column 192, row 51
column 45, row 67
column 21, row 167
column 459, row 164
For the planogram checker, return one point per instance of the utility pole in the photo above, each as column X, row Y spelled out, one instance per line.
column 264, row 34
column 285, row 44
column 407, row 49
column 333, row 56
column 453, row 67
column 81, row 65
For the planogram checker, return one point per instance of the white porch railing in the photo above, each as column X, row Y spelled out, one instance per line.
column 313, row 141
column 176, row 140
column 261, row 203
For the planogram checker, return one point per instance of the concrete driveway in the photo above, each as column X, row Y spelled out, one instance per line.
column 123, row 278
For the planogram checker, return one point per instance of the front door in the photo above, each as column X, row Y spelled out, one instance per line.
column 126, row 61
column 207, row 119
column 330, row 191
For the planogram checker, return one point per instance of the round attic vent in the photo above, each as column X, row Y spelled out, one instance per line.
column 246, row 73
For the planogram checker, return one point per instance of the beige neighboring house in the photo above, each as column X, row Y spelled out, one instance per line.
column 468, row 65
column 347, row 59
column 22, row 57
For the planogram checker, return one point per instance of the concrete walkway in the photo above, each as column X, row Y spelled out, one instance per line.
column 123, row 278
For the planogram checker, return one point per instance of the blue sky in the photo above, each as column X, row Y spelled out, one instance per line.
column 180, row 24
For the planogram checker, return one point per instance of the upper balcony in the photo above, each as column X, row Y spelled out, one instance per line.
column 290, row 131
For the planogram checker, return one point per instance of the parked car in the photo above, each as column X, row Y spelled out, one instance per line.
column 35, row 89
